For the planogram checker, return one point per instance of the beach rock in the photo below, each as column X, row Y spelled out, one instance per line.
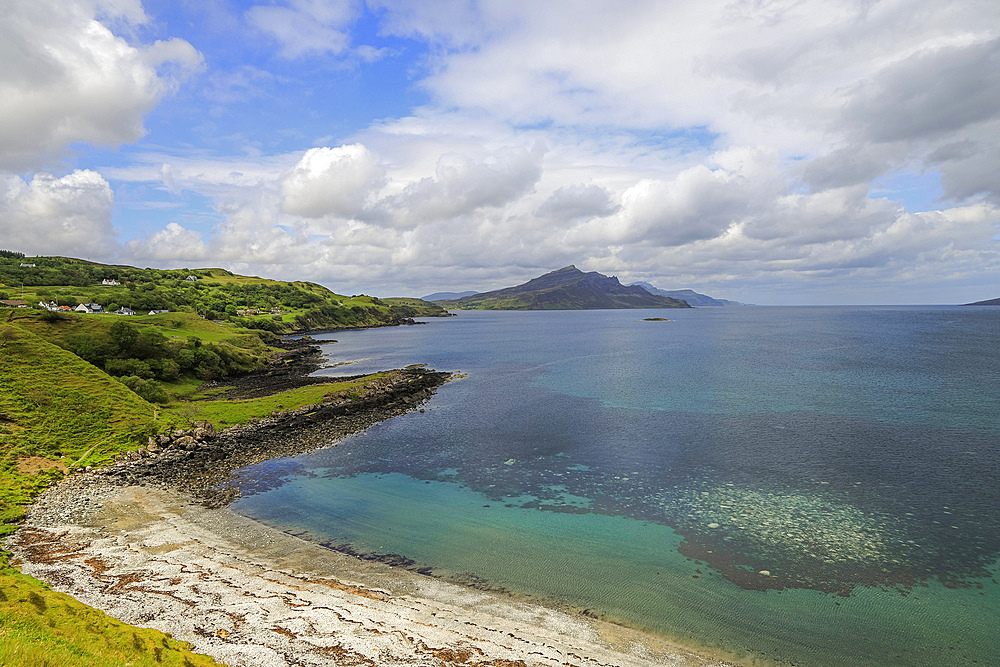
column 186, row 442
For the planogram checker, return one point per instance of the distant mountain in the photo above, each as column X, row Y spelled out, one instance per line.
column 568, row 288
column 441, row 296
column 693, row 298
column 988, row 302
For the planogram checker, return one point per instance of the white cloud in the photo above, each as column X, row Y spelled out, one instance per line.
column 461, row 185
column 48, row 215
column 308, row 27
column 65, row 78
column 577, row 202
column 332, row 181
column 171, row 242
column 803, row 78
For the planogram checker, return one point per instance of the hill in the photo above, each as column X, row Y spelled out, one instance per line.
column 987, row 302
column 568, row 288
column 448, row 296
column 693, row 298
column 215, row 294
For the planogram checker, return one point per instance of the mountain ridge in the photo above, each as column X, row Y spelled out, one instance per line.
column 693, row 298
column 567, row 288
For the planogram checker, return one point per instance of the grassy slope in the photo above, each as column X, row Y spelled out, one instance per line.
column 158, row 289
column 414, row 307
column 225, row 412
column 57, row 407
column 59, row 412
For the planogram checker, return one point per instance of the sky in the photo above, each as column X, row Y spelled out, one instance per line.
column 767, row 151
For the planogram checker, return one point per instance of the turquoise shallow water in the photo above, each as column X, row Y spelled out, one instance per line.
column 651, row 471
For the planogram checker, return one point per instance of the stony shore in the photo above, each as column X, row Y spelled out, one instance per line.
column 150, row 541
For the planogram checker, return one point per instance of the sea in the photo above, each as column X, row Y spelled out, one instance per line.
column 771, row 485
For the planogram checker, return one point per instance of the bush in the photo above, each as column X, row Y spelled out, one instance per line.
column 136, row 367
column 167, row 370
column 93, row 348
column 147, row 389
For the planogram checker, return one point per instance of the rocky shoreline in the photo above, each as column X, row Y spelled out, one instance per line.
column 150, row 541
column 200, row 460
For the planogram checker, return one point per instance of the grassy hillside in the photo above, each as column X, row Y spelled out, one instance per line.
column 214, row 294
column 157, row 356
column 58, row 413
column 412, row 307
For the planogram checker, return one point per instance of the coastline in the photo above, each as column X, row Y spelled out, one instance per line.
column 150, row 541
column 250, row 595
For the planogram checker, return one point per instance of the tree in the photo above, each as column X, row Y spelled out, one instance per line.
column 125, row 335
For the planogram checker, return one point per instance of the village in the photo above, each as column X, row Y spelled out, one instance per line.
column 98, row 309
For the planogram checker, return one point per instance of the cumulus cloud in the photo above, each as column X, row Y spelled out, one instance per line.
column 574, row 202
column 462, row 184
column 65, row 77
column 931, row 93
column 332, row 181
column 69, row 215
column 171, row 242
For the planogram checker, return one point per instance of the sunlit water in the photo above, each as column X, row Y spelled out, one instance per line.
column 817, row 486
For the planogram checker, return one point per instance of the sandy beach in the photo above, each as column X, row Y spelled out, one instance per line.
column 249, row 595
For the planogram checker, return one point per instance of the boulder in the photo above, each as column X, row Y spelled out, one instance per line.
column 186, row 442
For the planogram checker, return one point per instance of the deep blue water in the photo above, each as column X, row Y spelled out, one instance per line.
column 812, row 485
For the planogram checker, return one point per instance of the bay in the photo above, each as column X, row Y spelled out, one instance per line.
column 774, row 485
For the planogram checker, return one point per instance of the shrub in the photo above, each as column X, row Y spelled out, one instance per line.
column 93, row 348
column 136, row 367
column 147, row 389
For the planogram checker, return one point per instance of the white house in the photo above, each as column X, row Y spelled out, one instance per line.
column 110, row 281
column 158, row 312
column 51, row 305
column 89, row 308
column 124, row 311
column 192, row 278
